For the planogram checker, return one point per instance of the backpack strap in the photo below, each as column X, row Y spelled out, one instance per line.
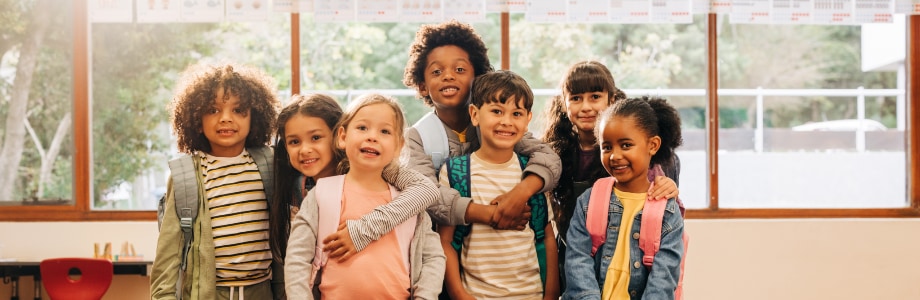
column 329, row 198
column 598, row 208
column 434, row 138
column 185, row 191
column 650, row 231
column 263, row 158
column 539, row 216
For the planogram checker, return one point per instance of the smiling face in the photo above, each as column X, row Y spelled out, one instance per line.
column 371, row 139
column 226, row 125
column 501, row 126
column 583, row 109
column 308, row 141
column 448, row 77
column 626, row 150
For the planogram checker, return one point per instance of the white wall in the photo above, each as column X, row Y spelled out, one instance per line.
column 728, row 259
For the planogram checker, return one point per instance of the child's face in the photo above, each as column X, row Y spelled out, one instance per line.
column 501, row 126
column 448, row 77
column 226, row 126
column 371, row 140
column 583, row 109
column 308, row 141
column 626, row 150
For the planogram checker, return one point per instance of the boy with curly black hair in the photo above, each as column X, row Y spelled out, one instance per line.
column 223, row 117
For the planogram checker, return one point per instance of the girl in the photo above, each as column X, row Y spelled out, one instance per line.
column 633, row 134
column 222, row 117
column 587, row 89
column 304, row 153
column 371, row 136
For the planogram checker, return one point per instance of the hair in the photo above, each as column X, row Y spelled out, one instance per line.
column 562, row 135
column 654, row 116
column 197, row 91
column 313, row 105
column 353, row 108
column 499, row 86
column 432, row 36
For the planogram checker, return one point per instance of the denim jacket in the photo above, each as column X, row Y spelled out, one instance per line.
column 585, row 275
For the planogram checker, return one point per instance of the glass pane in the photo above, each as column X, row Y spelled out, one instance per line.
column 812, row 116
column 135, row 68
column 36, row 104
column 649, row 59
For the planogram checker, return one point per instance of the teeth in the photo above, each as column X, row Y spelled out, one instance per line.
column 450, row 90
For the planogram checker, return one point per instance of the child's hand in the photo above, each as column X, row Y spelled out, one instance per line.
column 664, row 188
column 294, row 210
column 339, row 244
column 512, row 211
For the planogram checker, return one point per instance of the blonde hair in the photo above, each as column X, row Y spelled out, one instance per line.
column 356, row 105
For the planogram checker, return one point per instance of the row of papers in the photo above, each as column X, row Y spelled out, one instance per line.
column 839, row 12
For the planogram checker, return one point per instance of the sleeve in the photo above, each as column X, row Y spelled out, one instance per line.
column 580, row 280
column 544, row 162
column 418, row 192
column 665, row 272
column 450, row 209
column 165, row 269
column 298, row 264
column 433, row 262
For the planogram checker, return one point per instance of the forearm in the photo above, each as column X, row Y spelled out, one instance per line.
column 301, row 250
column 452, row 281
column 551, row 287
column 433, row 263
column 450, row 209
column 165, row 269
column 418, row 192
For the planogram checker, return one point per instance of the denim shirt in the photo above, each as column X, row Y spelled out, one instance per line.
column 585, row 275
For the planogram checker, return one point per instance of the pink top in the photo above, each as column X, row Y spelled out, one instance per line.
column 378, row 271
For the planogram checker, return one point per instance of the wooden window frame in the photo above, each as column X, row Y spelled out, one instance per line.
column 81, row 210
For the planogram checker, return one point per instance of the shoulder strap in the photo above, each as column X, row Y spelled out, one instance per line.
column 434, row 138
column 650, row 237
column 263, row 158
column 598, row 209
column 185, row 194
column 539, row 216
column 458, row 176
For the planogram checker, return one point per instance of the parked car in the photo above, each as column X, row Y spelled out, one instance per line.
column 842, row 125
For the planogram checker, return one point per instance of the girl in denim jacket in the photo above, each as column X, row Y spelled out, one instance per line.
column 633, row 134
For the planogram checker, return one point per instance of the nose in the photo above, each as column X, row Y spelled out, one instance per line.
column 226, row 116
column 449, row 75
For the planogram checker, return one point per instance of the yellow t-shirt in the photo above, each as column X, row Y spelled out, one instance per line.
column 616, row 286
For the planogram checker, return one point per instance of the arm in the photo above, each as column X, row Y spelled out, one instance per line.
column 298, row 264
column 433, row 261
column 418, row 192
column 551, row 287
column 665, row 273
column 540, row 175
column 450, row 209
column 580, row 280
column 664, row 188
column 453, row 284
column 165, row 269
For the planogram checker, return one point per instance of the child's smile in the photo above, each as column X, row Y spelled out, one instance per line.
column 308, row 141
column 448, row 77
column 626, row 151
column 226, row 125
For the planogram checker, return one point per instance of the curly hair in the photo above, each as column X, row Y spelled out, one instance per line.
column 353, row 108
column 654, row 116
column 314, row 105
column 197, row 90
column 562, row 135
column 432, row 36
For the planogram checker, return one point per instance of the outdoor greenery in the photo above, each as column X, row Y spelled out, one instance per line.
column 134, row 68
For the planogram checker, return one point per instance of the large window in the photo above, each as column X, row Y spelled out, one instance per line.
column 809, row 123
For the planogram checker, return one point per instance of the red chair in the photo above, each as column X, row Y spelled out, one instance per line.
column 94, row 280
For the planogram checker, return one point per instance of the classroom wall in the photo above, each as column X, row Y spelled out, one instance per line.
column 728, row 259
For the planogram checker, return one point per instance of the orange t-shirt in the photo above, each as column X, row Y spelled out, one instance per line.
column 378, row 271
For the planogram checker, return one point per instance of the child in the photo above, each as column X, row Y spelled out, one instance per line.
column 223, row 118
column 493, row 263
column 370, row 134
column 304, row 153
column 443, row 61
column 587, row 90
column 633, row 134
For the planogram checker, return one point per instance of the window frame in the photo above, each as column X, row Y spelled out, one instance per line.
column 81, row 209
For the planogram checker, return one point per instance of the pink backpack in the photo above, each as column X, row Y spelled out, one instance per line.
column 329, row 199
column 649, row 233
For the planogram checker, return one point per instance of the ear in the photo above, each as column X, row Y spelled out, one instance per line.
column 340, row 138
column 474, row 115
column 422, row 89
column 654, row 143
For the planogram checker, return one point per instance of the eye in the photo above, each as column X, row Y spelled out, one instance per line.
column 461, row 69
column 605, row 147
column 293, row 142
column 385, row 131
column 626, row 146
column 316, row 137
column 595, row 96
column 212, row 110
column 518, row 114
column 574, row 98
column 361, row 127
column 496, row 111
column 436, row 72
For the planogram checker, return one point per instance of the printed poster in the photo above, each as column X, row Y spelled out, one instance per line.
column 247, row 10
column 910, row 7
column 873, row 11
column 334, row 10
column 465, row 11
column 834, row 12
column 201, row 11
column 497, row 6
column 792, row 11
column 701, row 6
column 377, row 11
column 517, row 5
column 111, row 11
column 292, row 6
column 589, row 11
column 720, row 6
column 750, row 12
column 671, row 11
column 630, row 11
column 546, row 11
column 157, row 11
column 423, row 11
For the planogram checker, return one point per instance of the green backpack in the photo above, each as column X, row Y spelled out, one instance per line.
column 458, row 175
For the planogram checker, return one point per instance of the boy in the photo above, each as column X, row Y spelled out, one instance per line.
column 489, row 263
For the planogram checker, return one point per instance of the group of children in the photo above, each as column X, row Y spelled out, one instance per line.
column 341, row 213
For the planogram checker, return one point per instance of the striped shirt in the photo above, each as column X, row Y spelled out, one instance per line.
column 497, row 263
column 239, row 219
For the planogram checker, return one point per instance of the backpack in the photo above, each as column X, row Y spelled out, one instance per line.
column 329, row 201
column 649, row 233
column 458, row 174
column 186, row 186
column 434, row 138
